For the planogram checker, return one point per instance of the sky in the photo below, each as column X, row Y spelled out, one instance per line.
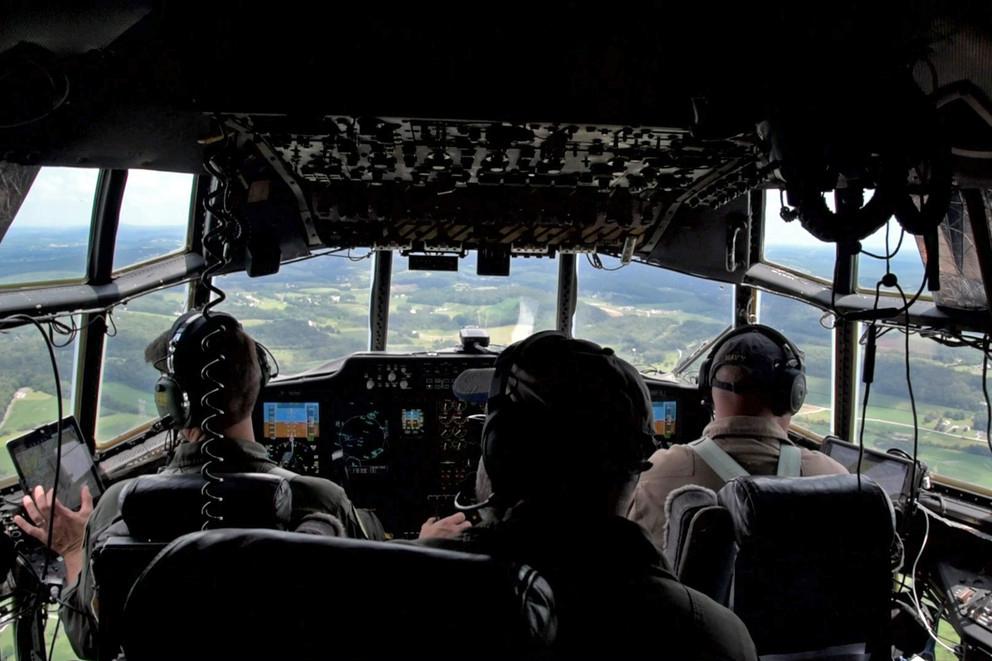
column 779, row 232
column 63, row 197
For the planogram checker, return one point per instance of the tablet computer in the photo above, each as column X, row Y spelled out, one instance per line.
column 892, row 472
column 34, row 460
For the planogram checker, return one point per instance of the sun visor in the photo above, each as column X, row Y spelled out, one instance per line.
column 961, row 285
column 15, row 182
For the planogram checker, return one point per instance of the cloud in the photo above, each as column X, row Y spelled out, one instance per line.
column 156, row 198
column 63, row 197
column 59, row 197
column 778, row 232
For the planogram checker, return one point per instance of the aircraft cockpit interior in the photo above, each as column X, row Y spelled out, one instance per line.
column 388, row 202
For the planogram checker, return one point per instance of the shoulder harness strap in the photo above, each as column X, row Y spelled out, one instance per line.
column 716, row 458
column 790, row 461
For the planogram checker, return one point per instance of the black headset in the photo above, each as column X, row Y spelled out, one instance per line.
column 516, row 412
column 179, row 390
column 785, row 390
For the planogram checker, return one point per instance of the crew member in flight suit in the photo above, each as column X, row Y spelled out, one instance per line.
column 318, row 504
column 755, row 379
column 566, row 435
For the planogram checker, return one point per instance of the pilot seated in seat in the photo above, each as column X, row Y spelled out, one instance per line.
column 318, row 505
column 755, row 379
column 566, row 436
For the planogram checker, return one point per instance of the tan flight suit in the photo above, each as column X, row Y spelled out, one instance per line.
column 752, row 441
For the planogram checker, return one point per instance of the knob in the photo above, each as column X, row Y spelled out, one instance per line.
column 391, row 377
column 404, row 385
column 370, row 384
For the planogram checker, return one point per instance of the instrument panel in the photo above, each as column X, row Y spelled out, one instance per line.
column 389, row 429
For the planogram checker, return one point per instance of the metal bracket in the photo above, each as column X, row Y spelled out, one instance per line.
column 738, row 243
column 281, row 169
column 702, row 184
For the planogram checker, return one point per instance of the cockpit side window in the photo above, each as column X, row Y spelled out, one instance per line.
column 126, row 398
column 788, row 244
column 904, row 259
column 950, row 407
column 651, row 317
column 154, row 216
column 801, row 323
column 27, row 384
column 428, row 308
column 48, row 238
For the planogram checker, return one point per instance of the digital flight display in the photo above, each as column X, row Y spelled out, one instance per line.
column 891, row 472
column 291, row 420
column 412, row 421
column 665, row 418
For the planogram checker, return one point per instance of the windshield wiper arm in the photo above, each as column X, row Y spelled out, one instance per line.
column 703, row 348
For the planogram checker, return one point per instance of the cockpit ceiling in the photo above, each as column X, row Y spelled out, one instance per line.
column 533, row 187
column 138, row 86
column 533, row 126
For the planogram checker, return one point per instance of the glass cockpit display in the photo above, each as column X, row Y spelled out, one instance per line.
column 291, row 431
column 665, row 418
column 412, row 421
column 388, row 429
column 291, row 420
column 364, row 439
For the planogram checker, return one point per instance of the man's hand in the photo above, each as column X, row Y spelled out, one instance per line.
column 447, row 528
column 68, row 526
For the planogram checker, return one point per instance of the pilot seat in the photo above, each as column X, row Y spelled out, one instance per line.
column 804, row 562
column 255, row 590
column 156, row 509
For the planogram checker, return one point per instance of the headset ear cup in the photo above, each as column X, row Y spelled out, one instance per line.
column 797, row 391
column 172, row 402
column 490, row 456
column 264, row 366
column 703, row 383
column 503, row 439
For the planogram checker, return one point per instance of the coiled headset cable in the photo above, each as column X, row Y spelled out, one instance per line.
column 217, row 249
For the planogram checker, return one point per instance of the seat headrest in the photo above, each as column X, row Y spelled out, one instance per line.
column 163, row 507
column 681, row 506
column 813, row 568
column 809, row 508
column 322, row 597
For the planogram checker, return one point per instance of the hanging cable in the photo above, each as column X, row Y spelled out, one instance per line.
column 888, row 256
column 111, row 323
column 985, row 391
column 69, row 331
column 58, row 432
column 55, row 635
column 913, row 593
column 597, row 263
column 914, row 488
column 867, row 376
